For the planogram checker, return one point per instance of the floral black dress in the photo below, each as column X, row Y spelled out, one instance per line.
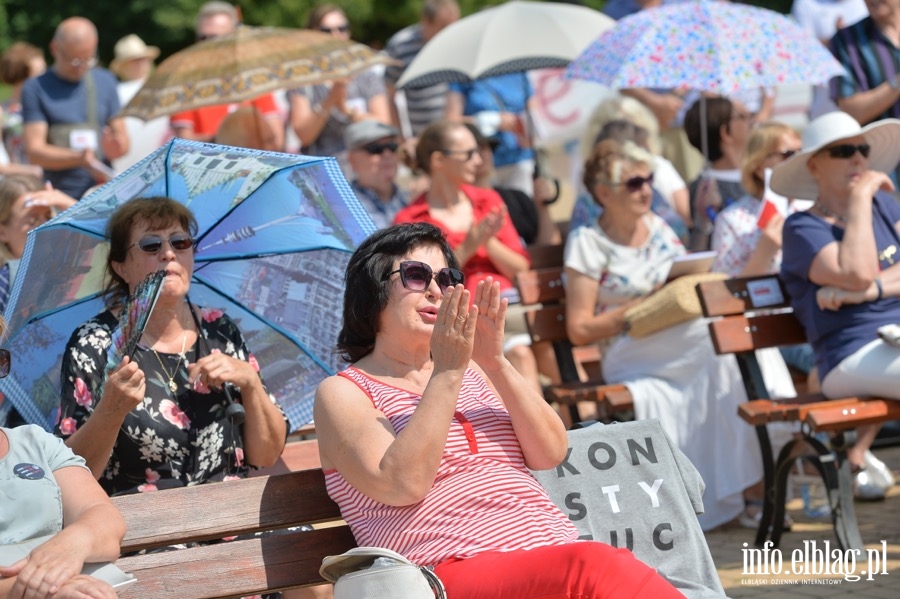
column 174, row 438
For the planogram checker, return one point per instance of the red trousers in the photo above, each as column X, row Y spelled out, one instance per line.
column 582, row 570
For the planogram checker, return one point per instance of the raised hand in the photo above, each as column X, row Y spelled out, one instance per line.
column 486, row 228
column 125, row 387
column 488, row 349
column 216, row 369
column 453, row 336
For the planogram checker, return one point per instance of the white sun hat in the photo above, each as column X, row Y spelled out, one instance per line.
column 792, row 178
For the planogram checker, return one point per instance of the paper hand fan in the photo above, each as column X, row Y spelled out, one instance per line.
column 133, row 319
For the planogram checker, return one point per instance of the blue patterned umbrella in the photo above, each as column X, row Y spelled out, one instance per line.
column 716, row 47
column 275, row 234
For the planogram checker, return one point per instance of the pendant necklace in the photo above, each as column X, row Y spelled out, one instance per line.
column 826, row 212
column 173, row 386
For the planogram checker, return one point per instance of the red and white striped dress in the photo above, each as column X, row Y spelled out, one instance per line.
column 483, row 498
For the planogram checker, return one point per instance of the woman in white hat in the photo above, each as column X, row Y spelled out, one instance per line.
column 839, row 265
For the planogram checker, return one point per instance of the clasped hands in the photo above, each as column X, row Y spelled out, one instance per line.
column 53, row 570
column 465, row 331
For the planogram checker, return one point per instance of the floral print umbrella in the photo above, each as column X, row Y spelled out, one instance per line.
column 716, row 47
column 275, row 234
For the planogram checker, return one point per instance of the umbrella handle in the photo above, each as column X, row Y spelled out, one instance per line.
column 234, row 411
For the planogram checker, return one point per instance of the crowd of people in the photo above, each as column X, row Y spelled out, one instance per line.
column 427, row 437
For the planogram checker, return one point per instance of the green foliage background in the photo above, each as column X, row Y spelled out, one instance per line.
column 169, row 23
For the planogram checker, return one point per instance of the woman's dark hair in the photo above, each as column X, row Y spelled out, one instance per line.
column 366, row 281
column 155, row 213
column 434, row 138
column 718, row 114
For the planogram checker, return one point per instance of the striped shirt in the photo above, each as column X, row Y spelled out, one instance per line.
column 424, row 105
column 483, row 497
column 870, row 59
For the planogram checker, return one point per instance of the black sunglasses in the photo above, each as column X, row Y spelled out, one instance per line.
column 5, row 362
column 786, row 154
column 338, row 29
column 636, row 183
column 845, row 151
column 374, row 149
column 417, row 276
column 151, row 244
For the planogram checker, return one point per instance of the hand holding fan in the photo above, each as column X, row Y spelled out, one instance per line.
column 135, row 314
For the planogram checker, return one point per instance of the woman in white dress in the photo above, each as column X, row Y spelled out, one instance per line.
column 674, row 375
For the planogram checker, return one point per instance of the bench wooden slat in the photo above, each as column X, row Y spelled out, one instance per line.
column 794, row 409
column 733, row 296
column 297, row 455
column 839, row 418
column 213, row 511
column 735, row 334
column 237, row 568
column 541, row 286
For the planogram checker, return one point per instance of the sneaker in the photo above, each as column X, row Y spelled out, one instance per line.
column 880, row 473
column 865, row 488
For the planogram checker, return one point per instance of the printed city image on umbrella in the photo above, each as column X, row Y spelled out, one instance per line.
column 245, row 64
column 275, row 234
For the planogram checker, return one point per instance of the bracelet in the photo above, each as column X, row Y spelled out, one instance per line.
column 880, row 288
column 894, row 83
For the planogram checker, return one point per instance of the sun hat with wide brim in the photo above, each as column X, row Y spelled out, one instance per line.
column 131, row 47
column 792, row 178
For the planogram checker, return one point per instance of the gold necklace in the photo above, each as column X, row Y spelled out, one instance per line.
column 173, row 387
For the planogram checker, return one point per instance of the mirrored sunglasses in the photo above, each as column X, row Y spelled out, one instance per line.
column 152, row 244
column 636, row 183
column 417, row 276
column 5, row 362
column 845, row 151
column 379, row 149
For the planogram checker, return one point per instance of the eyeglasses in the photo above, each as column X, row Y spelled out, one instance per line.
column 77, row 63
column 845, row 151
column 339, row 29
column 636, row 183
column 374, row 149
column 5, row 362
column 468, row 154
column 152, row 244
column 785, row 154
column 417, row 276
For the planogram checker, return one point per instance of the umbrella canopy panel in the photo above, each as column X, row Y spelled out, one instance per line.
column 275, row 232
column 514, row 37
column 245, row 64
column 716, row 47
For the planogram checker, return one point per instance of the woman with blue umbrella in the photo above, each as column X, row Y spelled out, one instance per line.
column 161, row 419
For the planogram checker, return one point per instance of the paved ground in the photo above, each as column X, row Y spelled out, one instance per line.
column 879, row 522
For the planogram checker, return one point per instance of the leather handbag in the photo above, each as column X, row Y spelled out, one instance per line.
column 376, row 573
column 675, row 303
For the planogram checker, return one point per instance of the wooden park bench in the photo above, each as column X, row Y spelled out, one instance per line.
column 215, row 511
column 543, row 289
column 754, row 313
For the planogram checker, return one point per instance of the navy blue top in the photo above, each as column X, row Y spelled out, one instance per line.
column 836, row 335
column 52, row 100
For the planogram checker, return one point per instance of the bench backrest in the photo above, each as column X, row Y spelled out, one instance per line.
column 214, row 511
